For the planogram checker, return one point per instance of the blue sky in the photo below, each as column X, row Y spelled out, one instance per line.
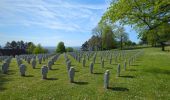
column 51, row 21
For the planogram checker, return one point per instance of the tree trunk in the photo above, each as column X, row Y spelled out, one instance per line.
column 121, row 43
column 163, row 46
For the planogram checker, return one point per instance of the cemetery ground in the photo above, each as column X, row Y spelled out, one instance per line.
column 147, row 78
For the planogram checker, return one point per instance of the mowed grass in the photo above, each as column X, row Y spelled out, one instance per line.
column 147, row 78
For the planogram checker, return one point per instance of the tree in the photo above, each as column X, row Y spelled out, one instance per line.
column 94, row 43
column 121, row 36
column 69, row 49
column 85, row 46
column 142, row 15
column 30, row 47
column 108, row 37
column 60, row 48
column 14, row 45
column 38, row 49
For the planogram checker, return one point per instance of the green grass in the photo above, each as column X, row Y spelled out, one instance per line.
column 148, row 78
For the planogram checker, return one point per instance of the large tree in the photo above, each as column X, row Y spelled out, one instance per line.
column 60, row 47
column 121, row 36
column 143, row 15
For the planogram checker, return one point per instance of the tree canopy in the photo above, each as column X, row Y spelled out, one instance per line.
column 60, row 47
column 150, row 18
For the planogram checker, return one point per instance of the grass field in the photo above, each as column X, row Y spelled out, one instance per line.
column 148, row 78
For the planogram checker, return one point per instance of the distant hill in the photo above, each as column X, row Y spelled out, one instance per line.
column 52, row 49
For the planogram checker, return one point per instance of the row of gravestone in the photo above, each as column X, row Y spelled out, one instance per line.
column 71, row 70
column 107, row 72
column 32, row 60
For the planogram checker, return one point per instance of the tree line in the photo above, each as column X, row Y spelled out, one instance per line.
column 29, row 47
column 106, row 36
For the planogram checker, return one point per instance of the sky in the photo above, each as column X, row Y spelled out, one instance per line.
column 50, row 21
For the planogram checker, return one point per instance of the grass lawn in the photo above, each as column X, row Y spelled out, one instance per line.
column 148, row 78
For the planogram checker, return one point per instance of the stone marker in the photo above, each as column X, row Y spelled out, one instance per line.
column 40, row 60
column 44, row 71
column 102, row 63
column 71, row 74
column 110, row 61
column 5, row 68
column 125, row 65
column 50, row 65
column 84, row 62
column 22, row 69
column 68, row 65
column 106, row 79
column 91, row 68
column 33, row 63
column 118, row 70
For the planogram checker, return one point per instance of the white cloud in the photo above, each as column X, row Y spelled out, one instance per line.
column 58, row 15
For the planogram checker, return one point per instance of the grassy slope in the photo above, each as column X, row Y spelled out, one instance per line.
column 148, row 78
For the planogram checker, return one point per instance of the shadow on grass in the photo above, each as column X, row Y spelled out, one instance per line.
column 118, row 89
column 29, row 76
column 76, row 71
column 98, row 73
column 134, row 65
column 128, row 76
column 81, row 83
column 114, row 64
column 131, row 70
column 108, row 67
column 52, row 79
column 158, row 71
column 37, row 68
column 54, row 69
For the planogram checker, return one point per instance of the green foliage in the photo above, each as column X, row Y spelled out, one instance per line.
column 39, row 49
column 145, row 16
column 69, row 49
column 30, row 48
column 85, row 46
column 60, row 48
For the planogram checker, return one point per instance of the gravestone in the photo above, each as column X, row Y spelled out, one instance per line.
column 33, row 63
column 118, row 70
column 4, row 68
column 91, row 68
column 84, row 62
column 125, row 65
column 50, row 65
column 68, row 65
column 22, row 69
column 102, row 63
column 106, row 79
column 44, row 71
column 40, row 60
column 71, row 74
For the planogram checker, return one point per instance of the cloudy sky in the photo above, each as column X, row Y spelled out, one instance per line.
column 50, row 21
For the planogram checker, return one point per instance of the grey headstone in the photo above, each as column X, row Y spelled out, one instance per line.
column 71, row 74
column 125, row 65
column 84, row 62
column 68, row 65
column 44, row 71
column 22, row 69
column 50, row 65
column 118, row 70
column 33, row 63
column 102, row 63
column 106, row 79
column 4, row 68
column 91, row 68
